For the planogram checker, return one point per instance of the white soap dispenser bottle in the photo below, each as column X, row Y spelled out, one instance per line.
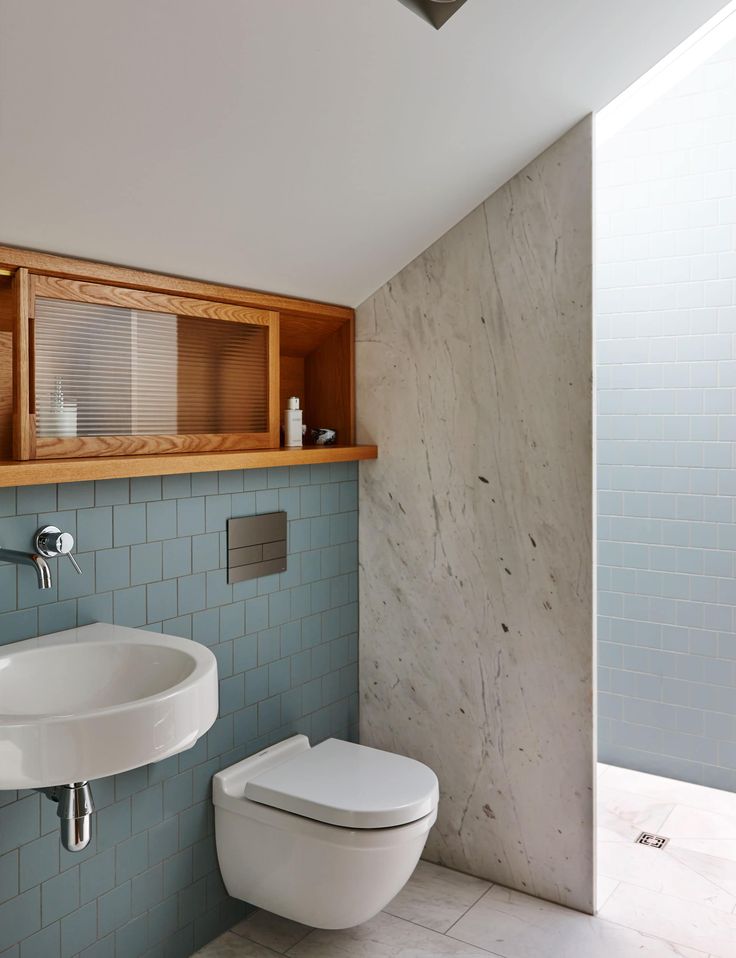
column 293, row 423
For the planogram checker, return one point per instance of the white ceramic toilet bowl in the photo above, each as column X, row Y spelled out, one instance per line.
column 279, row 852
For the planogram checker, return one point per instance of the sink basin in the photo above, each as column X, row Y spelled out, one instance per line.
column 98, row 700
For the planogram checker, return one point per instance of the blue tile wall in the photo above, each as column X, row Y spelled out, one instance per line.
column 153, row 555
column 666, row 338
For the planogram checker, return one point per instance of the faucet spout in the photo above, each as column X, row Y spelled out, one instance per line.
column 36, row 562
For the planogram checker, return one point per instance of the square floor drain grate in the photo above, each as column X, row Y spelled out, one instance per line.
column 653, row 841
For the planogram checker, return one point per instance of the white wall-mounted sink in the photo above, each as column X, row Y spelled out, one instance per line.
column 98, row 700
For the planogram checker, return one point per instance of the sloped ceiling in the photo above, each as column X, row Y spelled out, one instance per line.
column 310, row 147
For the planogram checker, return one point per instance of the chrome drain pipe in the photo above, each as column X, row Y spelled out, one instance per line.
column 75, row 807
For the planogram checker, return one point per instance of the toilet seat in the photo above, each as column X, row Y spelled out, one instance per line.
column 348, row 785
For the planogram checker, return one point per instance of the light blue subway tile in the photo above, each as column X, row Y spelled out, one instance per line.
column 113, row 909
column 76, row 495
column 191, row 516
column 145, row 489
column 59, row 896
column 176, row 487
column 112, row 569
column 38, row 861
column 191, row 593
column 218, row 509
column 243, row 504
column 95, row 608
column 9, row 885
column 44, row 944
column 161, row 598
column 256, row 614
column 204, row 483
column 329, row 498
column 232, row 694
column 219, row 591
column 161, row 519
column 181, row 625
column 15, row 626
column 146, row 890
column 8, row 587
column 269, row 714
column 224, row 654
column 129, row 606
column 177, row 557
column 206, row 626
column 245, row 653
column 267, row 500
column 131, row 857
column 232, row 621
column 94, row 529
column 205, row 552
column 112, row 492
column 132, row 938
column 34, row 499
column 8, row 501
column 145, row 563
column 57, row 616
column 319, row 532
column 279, row 608
column 97, row 875
column 277, row 477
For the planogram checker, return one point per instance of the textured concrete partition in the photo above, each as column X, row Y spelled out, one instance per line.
column 476, row 597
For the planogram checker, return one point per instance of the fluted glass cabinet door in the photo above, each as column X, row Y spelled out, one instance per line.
column 116, row 371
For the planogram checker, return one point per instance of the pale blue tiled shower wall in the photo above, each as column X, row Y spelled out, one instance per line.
column 153, row 555
column 666, row 337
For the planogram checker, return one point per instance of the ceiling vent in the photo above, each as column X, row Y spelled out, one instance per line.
column 436, row 12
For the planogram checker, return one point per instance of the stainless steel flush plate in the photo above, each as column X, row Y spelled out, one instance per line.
column 256, row 546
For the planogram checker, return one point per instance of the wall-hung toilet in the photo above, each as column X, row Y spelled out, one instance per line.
column 325, row 836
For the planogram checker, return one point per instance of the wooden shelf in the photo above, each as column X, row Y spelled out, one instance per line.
column 38, row 472
column 311, row 355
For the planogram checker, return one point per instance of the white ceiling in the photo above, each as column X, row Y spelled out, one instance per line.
column 311, row 147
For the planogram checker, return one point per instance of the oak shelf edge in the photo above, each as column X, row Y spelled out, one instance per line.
column 40, row 472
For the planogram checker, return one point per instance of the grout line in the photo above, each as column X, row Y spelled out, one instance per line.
column 434, row 931
column 482, row 895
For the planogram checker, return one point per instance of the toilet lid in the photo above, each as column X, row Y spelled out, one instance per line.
column 341, row 783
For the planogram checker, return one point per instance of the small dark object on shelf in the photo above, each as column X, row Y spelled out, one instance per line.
column 323, row 437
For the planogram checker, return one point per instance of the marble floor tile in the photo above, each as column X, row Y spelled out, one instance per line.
column 436, row 897
column 384, row 936
column 698, row 926
column 513, row 925
column 233, row 946
column 674, row 872
column 605, row 886
column 719, row 870
column 723, row 849
column 687, row 822
column 273, row 931
column 667, row 789
column 623, row 815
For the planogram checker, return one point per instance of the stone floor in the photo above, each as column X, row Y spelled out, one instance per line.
column 675, row 901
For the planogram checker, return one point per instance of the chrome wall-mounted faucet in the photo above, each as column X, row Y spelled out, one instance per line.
column 37, row 562
column 49, row 542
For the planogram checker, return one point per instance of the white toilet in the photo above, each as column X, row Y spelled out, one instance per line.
column 325, row 836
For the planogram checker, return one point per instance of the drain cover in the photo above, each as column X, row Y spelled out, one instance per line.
column 653, row 841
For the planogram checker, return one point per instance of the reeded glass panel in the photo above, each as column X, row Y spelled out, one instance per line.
column 112, row 371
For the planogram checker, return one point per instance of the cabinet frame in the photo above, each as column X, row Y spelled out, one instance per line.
column 27, row 445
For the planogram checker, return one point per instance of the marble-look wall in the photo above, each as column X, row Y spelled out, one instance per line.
column 476, row 552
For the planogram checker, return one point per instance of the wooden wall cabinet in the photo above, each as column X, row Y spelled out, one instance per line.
column 157, row 374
